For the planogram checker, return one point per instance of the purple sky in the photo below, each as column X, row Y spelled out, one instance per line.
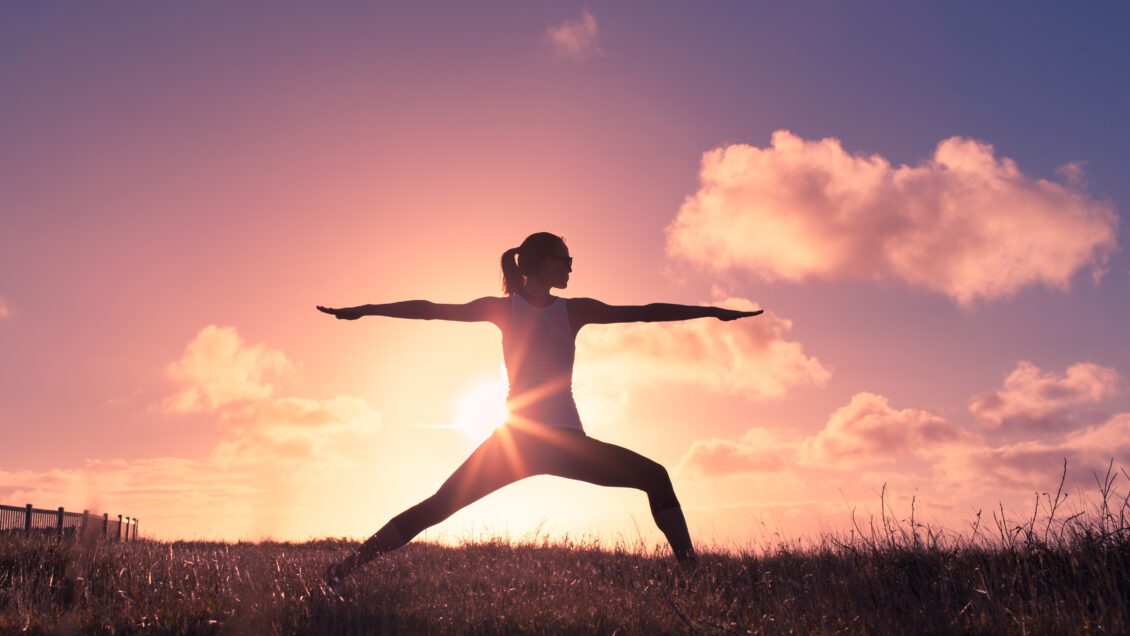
column 928, row 201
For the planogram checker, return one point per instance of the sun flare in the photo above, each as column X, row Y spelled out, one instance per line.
column 482, row 409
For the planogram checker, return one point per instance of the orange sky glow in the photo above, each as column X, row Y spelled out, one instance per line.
column 944, row 298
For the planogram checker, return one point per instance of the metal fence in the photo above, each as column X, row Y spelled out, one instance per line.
column 35, row 521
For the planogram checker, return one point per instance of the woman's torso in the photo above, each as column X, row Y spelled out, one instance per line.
column 538, row 346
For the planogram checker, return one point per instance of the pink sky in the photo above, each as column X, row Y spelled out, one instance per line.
column 945, row 308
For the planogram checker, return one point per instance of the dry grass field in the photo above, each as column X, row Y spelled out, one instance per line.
column 1043, row 575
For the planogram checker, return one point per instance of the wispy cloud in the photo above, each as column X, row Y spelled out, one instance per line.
column 964, row 223
column 867, row 431
column 5, row 310
column 221, row 374
column 159, row 490
column 300, row 430
column 1023, row 465
column 870, row 441
column 575, row 39
column 272, row 448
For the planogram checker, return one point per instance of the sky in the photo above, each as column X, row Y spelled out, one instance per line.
column 927, row 200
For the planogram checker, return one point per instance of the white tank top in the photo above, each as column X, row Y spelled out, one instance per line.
column 538, row 349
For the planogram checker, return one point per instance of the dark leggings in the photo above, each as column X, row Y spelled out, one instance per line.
column 514, row 453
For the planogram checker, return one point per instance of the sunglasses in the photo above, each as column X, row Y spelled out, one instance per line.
column 568, row 259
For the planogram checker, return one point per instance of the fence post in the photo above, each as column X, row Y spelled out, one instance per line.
column 85, row 522
column 27, row 521
column 135, row 528
column 105, row 523
column 59, row 524
column 119, row 528
column 127, row 528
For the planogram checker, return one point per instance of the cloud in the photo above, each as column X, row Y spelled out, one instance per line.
column 1026, row 465
column 750, row 357
column 869, row 430
column 871, row 458
column 220, row 374
column 276, row 456
column 758, row 451
column 161, row 490
column 575, row 39
column 964, row 223
column 912, row 456
column 5, row 308
column 270, row 469
column 1042, row 401
column 866, row 431
column 293, row 429
column 218, row 369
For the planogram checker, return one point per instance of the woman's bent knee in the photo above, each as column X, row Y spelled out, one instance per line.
column 657, row 475
column 660, row 490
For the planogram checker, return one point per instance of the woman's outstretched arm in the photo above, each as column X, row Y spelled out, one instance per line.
column 483, row 309
column 584, row 311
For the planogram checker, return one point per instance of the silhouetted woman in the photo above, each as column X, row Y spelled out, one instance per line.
column 543, row 433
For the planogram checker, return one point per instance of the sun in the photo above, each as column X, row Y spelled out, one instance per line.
column 482, row 409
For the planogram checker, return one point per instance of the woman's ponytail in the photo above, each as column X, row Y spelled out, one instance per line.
column 525, row 260
column 512, row 280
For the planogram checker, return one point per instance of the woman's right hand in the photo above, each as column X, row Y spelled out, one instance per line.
column 732, row 314
column 346, row 313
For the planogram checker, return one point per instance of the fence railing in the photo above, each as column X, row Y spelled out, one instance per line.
column 28, row 520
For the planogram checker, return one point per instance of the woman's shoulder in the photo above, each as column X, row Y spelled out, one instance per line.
column 582, row 302
column 581, row 311
column 491, row 301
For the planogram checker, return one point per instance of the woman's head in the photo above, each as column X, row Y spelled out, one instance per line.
column 542, row 256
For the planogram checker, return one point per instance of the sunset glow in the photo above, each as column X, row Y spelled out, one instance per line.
column 482, row 409
column 928, row 201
